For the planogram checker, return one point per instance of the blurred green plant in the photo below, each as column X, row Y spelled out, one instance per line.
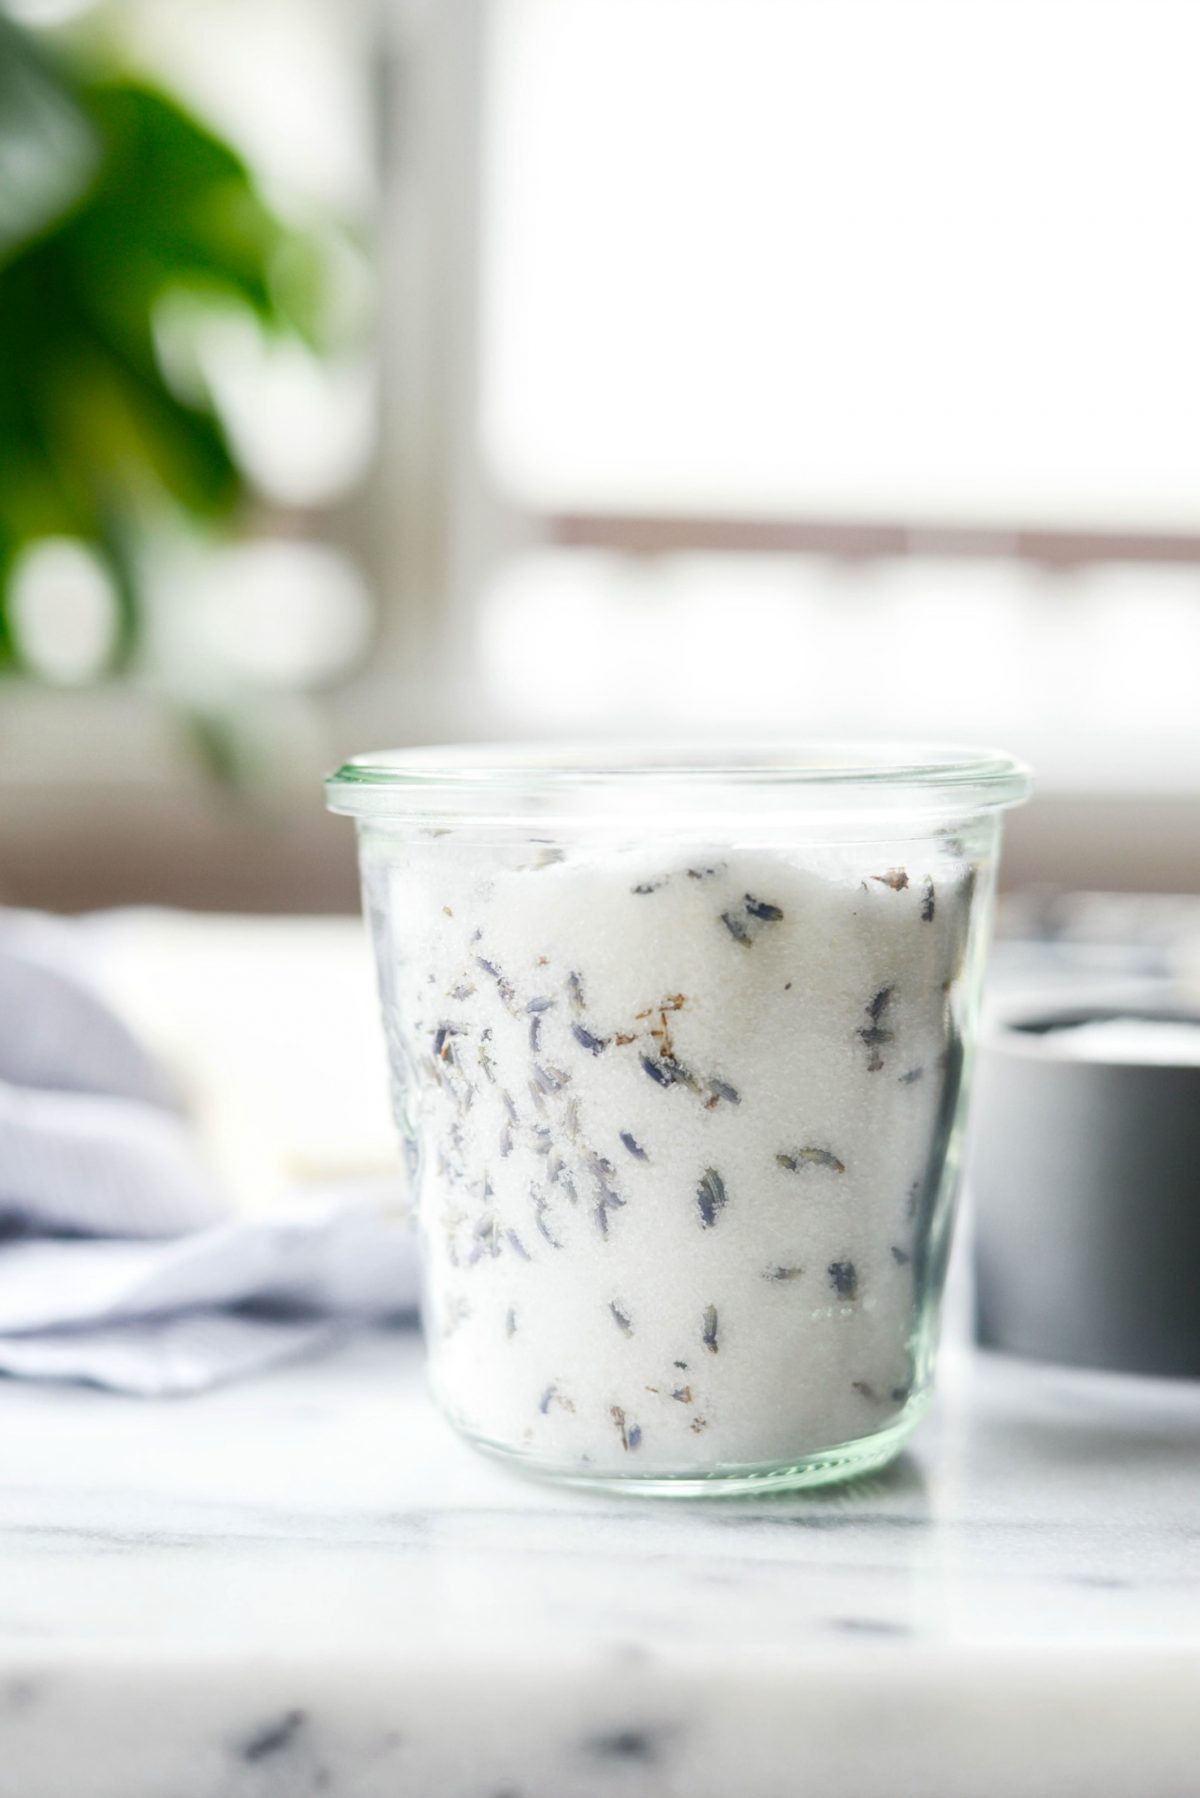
column 114, row 202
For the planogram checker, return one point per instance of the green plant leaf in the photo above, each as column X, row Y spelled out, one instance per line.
column 112, row 198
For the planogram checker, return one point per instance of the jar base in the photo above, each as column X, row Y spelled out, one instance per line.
column 823, row 1467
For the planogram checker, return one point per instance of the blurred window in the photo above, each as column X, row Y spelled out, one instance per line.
column 894, row 259
column 837, row 367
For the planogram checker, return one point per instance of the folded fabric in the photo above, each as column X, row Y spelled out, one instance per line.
column 55, row 1029
column 120, row 1260
column 99, row 1164
column 166, row 1357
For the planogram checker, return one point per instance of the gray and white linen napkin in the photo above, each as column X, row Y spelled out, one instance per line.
column 121, row 1261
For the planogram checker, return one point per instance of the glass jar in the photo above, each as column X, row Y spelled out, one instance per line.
column 679, row 1044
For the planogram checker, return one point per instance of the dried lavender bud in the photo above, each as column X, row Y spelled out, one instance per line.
column 683, row 1394
column 874, row 1034
column 721, row 1089
column 670, row 1072
column 546, row 1400
column 901, row 1394
column 510, row 1323
column 738, row 929
column 649, row 886
column 867, row 1390
column 630, row 1433
column 540, row 1207
column 635, row 1148
column 759, row 908
column 811, row 1157
column 697, row 1425
column 677, row 1074
column 535, row 1035
column 575, row 988
column 540, row 1005
column 928, row 900
column 709, row 1337
column 900, row 1256
column 540, row 1083
column 896, row 878
column 504, row 986
column 273, row 1737
column 517, row 1245
column 549, row 1079
column 912, row 1076
column 704, row 873
column 607, row 1201
column 843, row 1277
column 680, row 1364
column 462, row 991
column 783, row 1273
column 506, row 1099
column 594, row 1044
column 506, row 1141
column 487, row 1235
column 621, row 1318
column 710, row 1196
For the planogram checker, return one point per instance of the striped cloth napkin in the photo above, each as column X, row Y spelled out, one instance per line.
column 122, row 1262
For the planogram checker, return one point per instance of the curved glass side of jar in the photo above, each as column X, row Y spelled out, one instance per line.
column 683, row 1124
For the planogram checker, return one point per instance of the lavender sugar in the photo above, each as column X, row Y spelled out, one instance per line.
column 679, row 1127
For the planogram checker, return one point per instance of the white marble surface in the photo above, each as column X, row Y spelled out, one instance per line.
column 306, row 1585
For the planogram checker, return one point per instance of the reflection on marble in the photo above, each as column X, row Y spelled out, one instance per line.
column 306, row 1585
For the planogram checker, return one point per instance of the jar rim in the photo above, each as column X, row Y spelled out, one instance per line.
column 399, row 782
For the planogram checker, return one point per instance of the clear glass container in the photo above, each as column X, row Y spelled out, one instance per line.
column 680, row 1044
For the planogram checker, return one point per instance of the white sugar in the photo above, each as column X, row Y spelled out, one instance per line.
column 683, row 1122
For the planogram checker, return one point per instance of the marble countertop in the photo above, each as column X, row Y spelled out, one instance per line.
column 306, row 1585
